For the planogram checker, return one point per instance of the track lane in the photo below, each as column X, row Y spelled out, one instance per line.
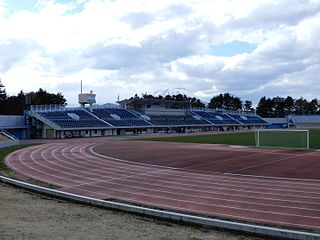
column 73, row 166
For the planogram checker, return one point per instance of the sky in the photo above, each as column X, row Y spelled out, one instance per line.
column 249, row 48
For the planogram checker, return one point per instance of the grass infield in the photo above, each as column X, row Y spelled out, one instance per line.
column 235, row 138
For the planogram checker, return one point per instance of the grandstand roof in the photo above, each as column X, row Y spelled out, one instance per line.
column 276, row 120
column 305, row 118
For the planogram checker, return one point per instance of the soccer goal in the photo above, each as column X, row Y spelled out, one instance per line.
column 287, row 138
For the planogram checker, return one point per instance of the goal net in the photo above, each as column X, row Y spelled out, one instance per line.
column 297, row 139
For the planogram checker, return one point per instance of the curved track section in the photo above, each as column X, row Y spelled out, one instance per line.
column 73, row 167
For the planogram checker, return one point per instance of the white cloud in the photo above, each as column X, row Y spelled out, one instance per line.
column 126, row 47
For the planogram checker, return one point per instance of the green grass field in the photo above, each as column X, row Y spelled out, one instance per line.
column 239, row 138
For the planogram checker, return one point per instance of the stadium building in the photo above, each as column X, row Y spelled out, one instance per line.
column 132, row 117
column 138, row 116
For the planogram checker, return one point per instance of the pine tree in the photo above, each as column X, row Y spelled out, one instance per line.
column 3, row 94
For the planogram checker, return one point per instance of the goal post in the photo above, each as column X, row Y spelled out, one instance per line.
column 284, row 138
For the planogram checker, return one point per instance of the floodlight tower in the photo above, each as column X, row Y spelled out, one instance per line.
column 86, row 98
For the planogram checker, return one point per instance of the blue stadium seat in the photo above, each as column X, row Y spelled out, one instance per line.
column 119, row 117
column 248, row 119
column 167, row 120
column 217, row 118
column 64, row 120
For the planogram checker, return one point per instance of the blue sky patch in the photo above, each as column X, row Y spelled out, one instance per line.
column 31, row 6
column 19, row 5
column 231, row 49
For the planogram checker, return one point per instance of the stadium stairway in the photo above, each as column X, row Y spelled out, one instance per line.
column 138, row 115
column 194, row 113
column 95, row 116
column 44, row 120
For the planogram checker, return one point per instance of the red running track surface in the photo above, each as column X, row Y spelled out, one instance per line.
column 202, row 181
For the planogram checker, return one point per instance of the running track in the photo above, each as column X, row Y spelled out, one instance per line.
column 72, row 166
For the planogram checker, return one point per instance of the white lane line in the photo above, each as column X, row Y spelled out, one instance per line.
column 107, row 170
column 205, row 213
column 250, row 183
column 256, row 190
column 111, row 180
column 192, row 194
column 316, row 181
column 225, row 191
column 27, row 166
column 279, row 189
column 196, row 209
column 272, row 187
column 44, row 152
column 190, row 185
column 62, row 169
column 108, row 163
column 61, row 162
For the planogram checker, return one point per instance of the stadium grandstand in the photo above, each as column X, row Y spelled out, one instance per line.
column 134, row 116
column 274, row 123
column 294, row 121
column 138, row 116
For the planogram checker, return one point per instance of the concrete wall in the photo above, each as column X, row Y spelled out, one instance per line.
column 8, row 121
column 15, row 125
column 9, row 143
column 307, row 125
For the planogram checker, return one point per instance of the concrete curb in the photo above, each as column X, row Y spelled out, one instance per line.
column 249, row 228
column 9, row 144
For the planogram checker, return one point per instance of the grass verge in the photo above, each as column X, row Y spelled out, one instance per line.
column 240, row 138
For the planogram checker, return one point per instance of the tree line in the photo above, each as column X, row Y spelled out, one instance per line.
column 182, row 98
column 267, row 107
column 15, row 105
column 281, row 107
